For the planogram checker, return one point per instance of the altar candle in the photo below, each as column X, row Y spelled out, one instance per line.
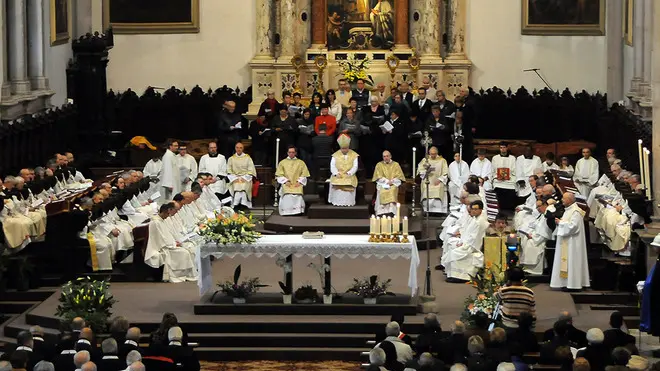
column 647, row 173
column 376, row 225
column 414, row 163
column 383, row 225
column 398, row 211
column 405, row 225
column 641, row 162
column 395, row 225
column 277, row 151
column 388, row 225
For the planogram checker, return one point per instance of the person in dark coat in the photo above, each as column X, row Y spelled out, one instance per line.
column 110, row 360
column 422, row 106
column 44, row 349
column 391, row 363
column 232, row 127
column 305, row 131
column 373, row 142
column 440, row 129
column 497, row 349
column 322, row 145
column 430, row 339
column 262, row 139
column 268, row 107
column 25, row 346
column 650, row 315
column 575, row 335
column 615, row 336
column 284, row 126
column 560, row 339
column 480, row 323
column 184, row 357
column 131, row 342
column 454, row 349
column 478, row 360
column 620, row 358
column 393, row 137
column 598, row 355
column 64, row 359
column 524, row 335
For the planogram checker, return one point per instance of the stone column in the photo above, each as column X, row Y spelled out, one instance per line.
column 303, row 25
column 401, row 27
column 655, row 147
column 265, row 25
column 17, row 46
column 638, row 48
column 457, row 11
column 319, row 29
column 287, row 28
column 5, row 91
column 645, row 92
column 614, row 35
column 36, row 65
column 426, row 32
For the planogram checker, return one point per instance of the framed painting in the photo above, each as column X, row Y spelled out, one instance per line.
column 60, row 22
column 360, row 24
column 151, row 16
column 628, row 7
column 563, row 17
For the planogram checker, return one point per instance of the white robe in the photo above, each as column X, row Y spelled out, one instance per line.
column 188, row 171
column 524, row 169
column 341, row 197
column 291, row 204
column 240, row 197
column 545, row 167
column 105, row 252
column 389, row 208
column 533, row 249
column 568, row 170
column 570, row 231
column 170, row 179
column 508, row 162
column 216, row 166
column 458, row 175
column 162, row 250
column 483, row 169
column 153, row 168
column 586, row 175
column 464, row 254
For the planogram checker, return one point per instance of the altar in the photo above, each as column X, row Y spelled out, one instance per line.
column 289, row 246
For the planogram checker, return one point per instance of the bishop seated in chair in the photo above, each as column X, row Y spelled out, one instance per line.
column 388, row 177
column 241, row 171
column 343, row 181
column 291, row 174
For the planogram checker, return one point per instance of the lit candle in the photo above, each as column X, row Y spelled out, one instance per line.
column 398, row 211
column 641, row 161
column 647, row 173
column 383, row 225
column 376, row 225
column 388, row 225
column 395, row 225
column 405, row 225
column 371, row 224
column 414, row 163
column 277, row 151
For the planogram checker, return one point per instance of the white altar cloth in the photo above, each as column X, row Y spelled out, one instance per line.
column 337, row 245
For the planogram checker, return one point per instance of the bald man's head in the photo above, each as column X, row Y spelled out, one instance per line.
column 88, row 366
column 548, row 190
column 568, row 199
column 133, row 333
column 77, row 324
column 80, row 358
column 87, row 333
column 565, row 316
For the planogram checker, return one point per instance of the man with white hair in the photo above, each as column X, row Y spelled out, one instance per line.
column 110, row 360
column 404, row 352
column 5, row 366
column 136, row 366
column 506, row 366
column 131, row 343
column 458, row 367
column 42, row 366
column 89, row 366
column 183, row 356
column 571, row 266
column 133, row 357
column 388, row 176
column 80, row 358
column 377, row 358
column 597, row 353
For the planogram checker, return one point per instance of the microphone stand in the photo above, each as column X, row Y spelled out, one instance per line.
column 536, row 71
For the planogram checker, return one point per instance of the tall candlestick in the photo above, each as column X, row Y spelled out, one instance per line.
column 395, row 224
column 405, row 225
column 371, row 224
column 641, row 161
column 647, row 173
column 383, row 225
column 414, row 163
column 277, row 151
column 398, row 211
column 376, row 225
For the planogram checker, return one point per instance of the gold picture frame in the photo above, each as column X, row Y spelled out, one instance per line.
column 191, row 26
column 60, row 12
column 565, row 26
column 628, row 21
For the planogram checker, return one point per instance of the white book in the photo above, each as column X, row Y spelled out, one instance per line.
column 155, row 196
column 387, row 126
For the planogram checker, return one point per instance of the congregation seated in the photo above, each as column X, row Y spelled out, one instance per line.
column 431, row 338
column 403, row 351
column 110, row 360
column 131, row 342
column 615, row 336
column 596, row 352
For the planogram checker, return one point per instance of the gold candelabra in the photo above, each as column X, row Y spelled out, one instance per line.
column 321, row 62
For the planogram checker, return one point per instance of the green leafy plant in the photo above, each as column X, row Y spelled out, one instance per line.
column 285, row 289
column 370, row 287
column 239, row 290
column 306, row 293
column 86, row 298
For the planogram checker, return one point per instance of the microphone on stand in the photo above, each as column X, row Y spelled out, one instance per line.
column 531, row 69
column 536, row 70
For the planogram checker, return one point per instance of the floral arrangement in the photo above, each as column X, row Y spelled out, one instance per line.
column 230, row 227
column 353, row 69
column 487, row 281
column 306, row 294
column 321, row 269
column 370, row 287
column 239, row 290
column 88, row 299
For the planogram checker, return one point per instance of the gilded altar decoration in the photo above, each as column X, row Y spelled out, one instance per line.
column 151, row 16
column 354, row 68
column 360, row 24
column 562, row 17
column 60, row 22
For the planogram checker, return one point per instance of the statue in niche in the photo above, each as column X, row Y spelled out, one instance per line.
column 360, row 24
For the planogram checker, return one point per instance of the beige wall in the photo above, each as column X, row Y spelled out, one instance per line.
column 219, row 54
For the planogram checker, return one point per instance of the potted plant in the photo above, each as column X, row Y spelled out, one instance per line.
column 88, row 299
column 239, row 291
column 323, row 270
column 286, row 293
column 306, row 294
column 370, row 288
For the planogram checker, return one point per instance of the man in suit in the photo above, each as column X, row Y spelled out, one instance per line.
column 25, row 346
column 110, row 360
column 64, row 359
column 232, row 127
column 77, row 325
column 560, row 339
column 440, row 132
column 447, row 107
column 42, row 348
column 184, row 357
column 616, row 337
column 131, row 343
column 86, row 342
column 575, row 336
column 422, row 106
column 404, row 89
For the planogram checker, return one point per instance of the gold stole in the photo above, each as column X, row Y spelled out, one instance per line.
column 240, row 166
column 388, row 171
column 346, row 183
column 92, row 251
column 292, row 170
column 563, row 270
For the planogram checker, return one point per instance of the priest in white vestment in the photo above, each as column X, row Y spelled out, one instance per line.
column 434, row 199
column 504, row 178
column 187, row 168
column 464, row 254
column 533, row 238
column 388, row 177
column 482, row 167
column 170, row 180
column 153, row 167
column 586, row 173
column 241, row 171
column 216, row 165
column 291, row 174
column 526, row 164
column 163, row 250
column 343, row 181
column 613, row 222
column 571, row 267
column 459, row 172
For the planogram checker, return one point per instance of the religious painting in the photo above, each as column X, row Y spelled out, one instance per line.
column 60, row 22
column 151, row 16
column 360, row 24
column 563, row 17
column 628, row 6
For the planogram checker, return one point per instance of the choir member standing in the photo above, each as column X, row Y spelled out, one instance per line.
column 422, row 106
column 284, row 126
column 525, row 166
column 459, row 171
column 291, row 174
column 388, row 177
column 325, row 119
column 482, row 168
column 361, row 94
column 216, row 165
column 187, row 167
column 504, row 178
column 170, row 176
column 394, row 131
column 586, row 173
column 232, row 127
column 440, row 131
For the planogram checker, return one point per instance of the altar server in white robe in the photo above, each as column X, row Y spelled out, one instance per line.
column 241, row 171
column 526, row 164
column 571, row 267
column 388, row 177
column 482, row 167
column 526, row 211
column 291, row 174
column 549, row 163
column 504, row 178
column 163, row 250
column 216, row 165
column 459, row 172
column 533, row 237
column 170, row 179
column 586, row 173
column 343, row 181
column 153, row 167
column 187, row 168
column 435, row 167
column 464, row 249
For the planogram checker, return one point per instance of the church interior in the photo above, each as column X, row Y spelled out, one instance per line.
column 329, row 185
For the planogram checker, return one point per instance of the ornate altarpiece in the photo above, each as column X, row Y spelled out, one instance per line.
column 293, row 54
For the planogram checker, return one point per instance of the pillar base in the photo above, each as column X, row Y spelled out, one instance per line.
column 21, row 87
column 401, row 48
column 456, row 57
column 5, row 91
column 39, row 83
